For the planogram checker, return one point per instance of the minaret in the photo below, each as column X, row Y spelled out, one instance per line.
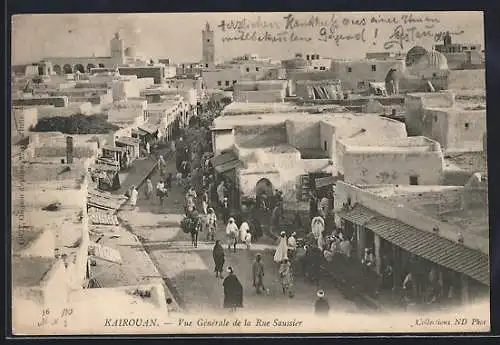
column 117, row 46
column 208, row 46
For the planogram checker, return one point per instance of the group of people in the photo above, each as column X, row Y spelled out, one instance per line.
column 233, row 289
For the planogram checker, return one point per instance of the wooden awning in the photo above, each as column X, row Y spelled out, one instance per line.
column 236, row 163
column 434, row 248
column 105, row 167
column 127, row 141
column 325, row 181
column 102, row 218
column 114, row 149
column 223, row 158
column 107, row 161
column 104, row 253
column 149, row 128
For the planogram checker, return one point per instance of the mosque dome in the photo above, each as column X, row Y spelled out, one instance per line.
column 434, row 59
column 414, row 55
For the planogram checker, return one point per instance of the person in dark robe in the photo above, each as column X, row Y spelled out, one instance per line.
column 321, row 306
column 313, row 207
column 258, row 274
column 168, row 181
column 233, row 291
column 314, row 261
column 218, row 255
column 116, row 182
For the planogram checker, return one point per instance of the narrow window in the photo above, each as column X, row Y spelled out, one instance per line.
column 374, row 68
column 325, row 145
column 467, row 125
column 257, row 69
column 219, row 83
column 248, row 69
column 349, row 69
column 227, row 82
column 414, row 180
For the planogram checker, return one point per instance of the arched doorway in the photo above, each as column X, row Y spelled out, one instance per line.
column 90, row 66
column 57, row 69
column 67, row 69
column 79, row 68
column 264, row 186
column 101, row 65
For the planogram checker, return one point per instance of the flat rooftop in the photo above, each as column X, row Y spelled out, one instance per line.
column 467, row 161
column 443, row 203
column 30, row 271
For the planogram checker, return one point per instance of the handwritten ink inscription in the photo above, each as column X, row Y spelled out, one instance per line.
column 52, row 319
column 399, row 31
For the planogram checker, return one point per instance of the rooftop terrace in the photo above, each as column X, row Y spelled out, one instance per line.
column 443, row 203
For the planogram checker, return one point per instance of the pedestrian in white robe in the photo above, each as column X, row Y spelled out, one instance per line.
column 282, row 250
column 232, row 232
column 134, row 194
column 245, row 236
column 317, row 226
column 148, row 148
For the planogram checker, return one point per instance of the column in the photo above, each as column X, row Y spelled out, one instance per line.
column 378, row 259
column 465, row 289
column 360, row 233
column 396, row 267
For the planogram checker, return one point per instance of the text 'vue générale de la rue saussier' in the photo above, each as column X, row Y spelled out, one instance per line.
column 398, row 30
column 204, row 322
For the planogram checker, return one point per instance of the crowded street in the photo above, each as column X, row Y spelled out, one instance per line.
column 191, row 270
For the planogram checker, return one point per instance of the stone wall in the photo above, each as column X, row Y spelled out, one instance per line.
column 392, row 167
column 414, row 108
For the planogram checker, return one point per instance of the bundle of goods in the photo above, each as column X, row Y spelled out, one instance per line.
column 188, row 224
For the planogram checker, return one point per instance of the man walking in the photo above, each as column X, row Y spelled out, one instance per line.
column 258, row 274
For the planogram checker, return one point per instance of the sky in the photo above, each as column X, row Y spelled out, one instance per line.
column 178, row 35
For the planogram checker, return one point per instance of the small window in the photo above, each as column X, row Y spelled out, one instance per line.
column 257, row 69
column 307, row 57
column 374, row 68
column 227, row 82
column 234, row 82
column 467, row 125
column 206, row 65
column 349, row 69
column 248, row 69
column 323, row 68
column 472, row 48
column 317, row 56
column 325, row 145
column 413, row 180
column 315, row 67
column 219, row 83
column 208, row 40
column 434, row 75
column 435, row 118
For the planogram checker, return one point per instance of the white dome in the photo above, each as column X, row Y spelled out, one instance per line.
column 434, row 59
